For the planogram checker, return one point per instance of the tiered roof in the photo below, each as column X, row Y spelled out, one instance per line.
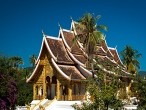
column 58, row 49
column 69, row 58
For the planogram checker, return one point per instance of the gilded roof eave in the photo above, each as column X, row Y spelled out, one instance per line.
column 33, row 73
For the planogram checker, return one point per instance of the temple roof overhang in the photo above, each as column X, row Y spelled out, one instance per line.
column 34, row 75
column 61, row 60
column 71, row 73
column 69, row 58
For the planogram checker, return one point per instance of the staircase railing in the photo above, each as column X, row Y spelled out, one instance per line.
column 42, row 107
column 37, row 104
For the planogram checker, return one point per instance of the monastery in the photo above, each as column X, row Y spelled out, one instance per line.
column 61, row 71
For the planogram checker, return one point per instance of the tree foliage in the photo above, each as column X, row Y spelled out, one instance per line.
column 13, row 87
column 104, row 92
column 140, row 92
column 25, row 93
column 90, row 31
column 8, row 86
column 91, row 34
column 16, row 61
column 130, row 59
column 32, row 60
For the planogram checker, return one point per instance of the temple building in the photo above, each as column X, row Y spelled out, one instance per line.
column 60, row 70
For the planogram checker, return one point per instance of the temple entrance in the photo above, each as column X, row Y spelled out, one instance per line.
column 48, row 87
column 53, row 90
column 51, row 87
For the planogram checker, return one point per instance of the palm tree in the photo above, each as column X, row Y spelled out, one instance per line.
column 130, row 59
column 32, row 60
column 16, row 61
column 91, row 33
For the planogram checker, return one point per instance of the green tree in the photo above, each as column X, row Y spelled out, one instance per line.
column 25, row 93
column 103, row 92
column 32, row 60
column 16, row 61
column 130, row 59
column 8, row 86
column 13, row 87
column 92, row 34
column 140, row 91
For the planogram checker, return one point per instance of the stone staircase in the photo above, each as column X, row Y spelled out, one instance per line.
column 62, row 105
column 46, row 104
column 37, row 104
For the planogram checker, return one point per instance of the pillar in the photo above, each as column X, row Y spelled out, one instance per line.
column 70, row 92
column 44, row 83
column 58, row 90
column 44, row 78
column 34, row 91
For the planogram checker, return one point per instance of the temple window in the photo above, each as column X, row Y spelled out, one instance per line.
column 48, row 79
column 64, row 90
column 41, row 91
column 79, row 87
column 54, row 80
column 82, row 88
column 76, row 89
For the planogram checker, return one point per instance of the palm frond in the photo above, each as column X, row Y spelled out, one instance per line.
column 102, row 27
column 130, row 58
column 98, row 36
column 75, row 39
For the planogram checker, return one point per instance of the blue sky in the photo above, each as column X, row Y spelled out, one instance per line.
column 21, row 23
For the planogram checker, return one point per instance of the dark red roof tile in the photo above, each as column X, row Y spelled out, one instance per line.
column 81, row 58
column 100, row 51
column 58, row 49
column 71, row 71
column 75, row 49
column 116, row 57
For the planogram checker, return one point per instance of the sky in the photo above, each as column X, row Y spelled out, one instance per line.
column 22, row 22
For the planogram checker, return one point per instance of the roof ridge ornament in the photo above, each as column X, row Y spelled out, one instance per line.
column 43, row 33
column 116, row 47
column 59, row 26
column 71, row 18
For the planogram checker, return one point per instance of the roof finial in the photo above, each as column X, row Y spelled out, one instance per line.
column 59, row 25
column 71, row 18
column 43, row 33
column 116, row 47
